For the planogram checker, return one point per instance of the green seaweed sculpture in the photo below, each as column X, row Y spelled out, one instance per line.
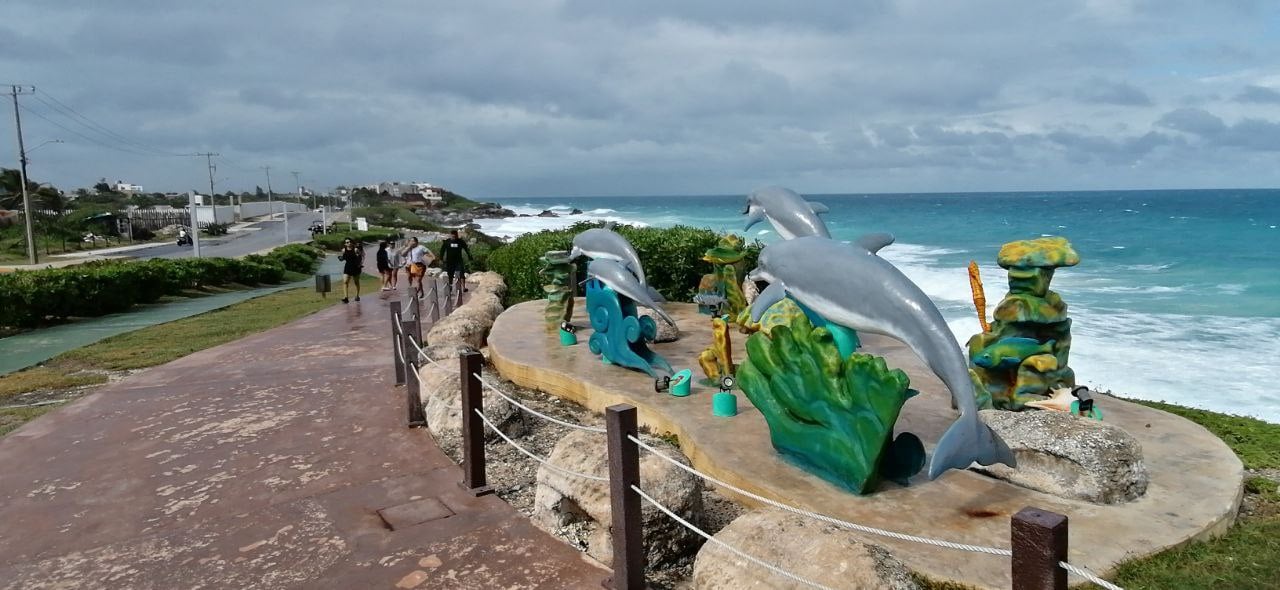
column 560, row 273
column 832, row 415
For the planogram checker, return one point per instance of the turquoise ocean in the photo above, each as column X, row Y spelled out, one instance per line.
column 1176, row 297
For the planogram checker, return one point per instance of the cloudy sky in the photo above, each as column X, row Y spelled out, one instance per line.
column 593, row 97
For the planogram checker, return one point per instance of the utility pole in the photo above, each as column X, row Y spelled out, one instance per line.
column 284, row 203
column 208, row 160
column 297, row 181
column 195, row 227
column 15, row 91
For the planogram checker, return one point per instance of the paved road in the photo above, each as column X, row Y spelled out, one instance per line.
column 261, row 236
column 278, row 461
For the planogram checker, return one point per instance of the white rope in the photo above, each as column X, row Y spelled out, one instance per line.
column 535, row 457
column 825, row 518
column 773, row 568
column 535, row 412
column 1088, row 575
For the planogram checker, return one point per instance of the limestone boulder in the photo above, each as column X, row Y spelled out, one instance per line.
column 1069, row 456
column 469, row 324
column 563, row 500
column 666, row 332
column 441, row 394
column 813, row 550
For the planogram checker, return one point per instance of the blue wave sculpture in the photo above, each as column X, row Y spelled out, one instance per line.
column 619, row 335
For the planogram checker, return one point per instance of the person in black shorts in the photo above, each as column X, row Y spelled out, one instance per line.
column 451, row 251
column 352, row 258
column 384, row 265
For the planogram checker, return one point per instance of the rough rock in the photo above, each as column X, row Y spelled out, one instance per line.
column 810, row 549
column 563, row 500
column 469, row 325
column 666, row 332
column 547, row 213
column 1069, row 456
column 441, row 394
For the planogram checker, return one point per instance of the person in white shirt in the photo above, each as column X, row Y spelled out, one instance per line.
column 419, row 258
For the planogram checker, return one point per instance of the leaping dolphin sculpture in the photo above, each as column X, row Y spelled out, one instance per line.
column 616, row 277
column 790, row 214
column 605, row 244
column 849, row 285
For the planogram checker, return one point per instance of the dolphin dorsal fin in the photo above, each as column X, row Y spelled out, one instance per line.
column 818, row 208
column 873, row 243
column 609, row 225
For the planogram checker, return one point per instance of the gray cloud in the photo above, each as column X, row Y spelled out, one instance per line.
column 577, row 97
column 1259, row 94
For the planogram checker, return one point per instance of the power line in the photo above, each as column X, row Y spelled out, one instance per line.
column 88, row 123
column 86, row 137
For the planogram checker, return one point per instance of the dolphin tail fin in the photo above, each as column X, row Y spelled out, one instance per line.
column 969, row 441
column 818, row 208
column 873, row 243
column 655, row 295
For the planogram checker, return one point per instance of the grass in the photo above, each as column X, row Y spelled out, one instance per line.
column 67, row 374
column 1246, row 557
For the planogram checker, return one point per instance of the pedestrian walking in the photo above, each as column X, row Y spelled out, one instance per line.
column 397, row 264
column 419, row 257
column 384, row 265
column 451, row 251
column 352, row 257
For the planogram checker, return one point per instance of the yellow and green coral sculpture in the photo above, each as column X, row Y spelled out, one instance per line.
column 834, row 416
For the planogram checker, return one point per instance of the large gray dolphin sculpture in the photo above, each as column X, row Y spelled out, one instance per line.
column 848, row 284
column 616, row 277
column 790, row 214
column 601, row 243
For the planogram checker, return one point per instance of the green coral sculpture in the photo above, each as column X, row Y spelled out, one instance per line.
column 832, row 415
column 1024, row 355
column 560, row 273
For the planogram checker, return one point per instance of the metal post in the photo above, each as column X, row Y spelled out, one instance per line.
column 1039, row 541
column 462, row 287
column 624, row 472
column 396, row 344
column 473, row 471
column 417, row 318
column 15, row 91
column 412, row 390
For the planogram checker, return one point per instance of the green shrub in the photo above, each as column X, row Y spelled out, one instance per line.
column 672, row 258
column 217, row 229
column 99, row 288
column 333, row 240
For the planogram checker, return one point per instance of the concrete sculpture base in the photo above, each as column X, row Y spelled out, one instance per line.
column 1193, row 493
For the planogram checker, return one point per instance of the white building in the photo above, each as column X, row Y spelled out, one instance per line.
column 128, row 189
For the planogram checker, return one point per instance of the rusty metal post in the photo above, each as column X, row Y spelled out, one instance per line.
column 396, row 343
column 412, row 390
column 473, row 471
column 462, row 288
column 624, row 472
column 1039, row 541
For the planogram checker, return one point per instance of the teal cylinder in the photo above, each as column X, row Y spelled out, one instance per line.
column 724, row 404
column 680, row 383
column 568, row 338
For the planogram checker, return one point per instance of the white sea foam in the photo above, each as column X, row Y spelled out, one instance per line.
column 511, row 227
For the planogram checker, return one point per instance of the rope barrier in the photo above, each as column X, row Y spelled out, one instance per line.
column 1088, row 575
column 825, row 518
column 535, row 412
column 535, row 457
column 773, row 568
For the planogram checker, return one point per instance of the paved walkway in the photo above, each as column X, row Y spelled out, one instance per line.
column 262, row 463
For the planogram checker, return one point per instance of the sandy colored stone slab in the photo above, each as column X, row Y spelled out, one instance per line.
column 1194, row 491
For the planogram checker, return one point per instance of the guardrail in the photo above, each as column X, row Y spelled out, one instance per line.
column 1038, row 538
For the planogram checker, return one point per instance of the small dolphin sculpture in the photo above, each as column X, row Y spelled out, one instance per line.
column 601, row 243
column 616, row 277
column 790, row 214
column 851, row 286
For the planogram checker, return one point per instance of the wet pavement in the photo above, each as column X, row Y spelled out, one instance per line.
column 278, row 461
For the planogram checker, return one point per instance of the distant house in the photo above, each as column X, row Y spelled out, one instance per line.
column 128, row 189
column 413, row 193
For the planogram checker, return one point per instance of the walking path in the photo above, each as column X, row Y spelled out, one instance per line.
column 276, row 461
column 23, row 350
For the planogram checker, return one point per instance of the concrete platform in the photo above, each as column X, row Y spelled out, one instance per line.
column 281, row 460
column 1194, row 492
